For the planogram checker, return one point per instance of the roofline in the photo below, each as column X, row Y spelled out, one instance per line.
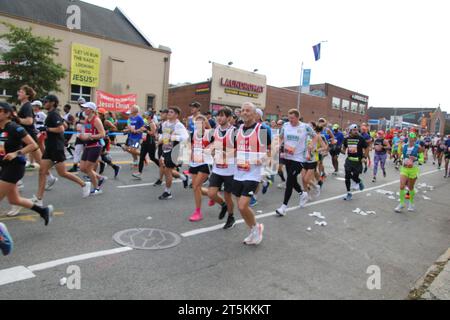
column 187, row 85
column 57, row 26
column 135, row 27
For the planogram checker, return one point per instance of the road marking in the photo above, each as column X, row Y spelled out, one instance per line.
column 21, row 273
column 29, row 217
column 55, row 263
column 145, row 184
column 270, row 214
column 15, row 274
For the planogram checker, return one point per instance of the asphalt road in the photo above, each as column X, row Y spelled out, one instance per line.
column 292, row 263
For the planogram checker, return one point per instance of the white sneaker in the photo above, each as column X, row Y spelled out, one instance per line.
column 15, row 210
column 50, row 183
column 37, row 202
column 411, row 207
column 282, row 211
column 282, row 185
column 256, row 235
column 87, row 190
column 304, row 199
column 354, row 186
column 315, row 192
column 399, row 208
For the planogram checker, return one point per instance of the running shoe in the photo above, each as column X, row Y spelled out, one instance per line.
column 384, row 174
column 37, row 202
column 50, row 183
column 374, row 179
column 256, row 235
column 230, row 222
column 304, row 197
column 399, row 208
column 96, row 192
column 15, row 210
column 348, row 197
column 282, row 211
column 47, row 215
column 196, row 216
column 116, row 171
column 101, row 181
column 158, row 183
column 266, row 185
column 74, row 170
column 137, row 175
column 411, row 207
column 282, row 185
column 211, row 203
column 253, row 202
column 165, row 196
column 87, row 190
column 6, row 241
column 223, row 211
column 186, row 182
column 361, row 186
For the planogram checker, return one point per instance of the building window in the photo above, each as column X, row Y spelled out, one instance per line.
column 336, row 103
column 345, row 105
column 362, row 108
column 77, row 92
column 354, row 107
column 150, row 101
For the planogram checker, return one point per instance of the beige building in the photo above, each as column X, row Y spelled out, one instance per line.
column 129, row 63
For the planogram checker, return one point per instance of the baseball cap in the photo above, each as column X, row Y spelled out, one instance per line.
column 353, row 126
column 102, row 110
column 335, row 127
column 195, row 104
column 6, row 106
column 51, row 98
column 81, row 101
column 37, row 103
column 260, row 112
column 164, row 111
column 90, row 105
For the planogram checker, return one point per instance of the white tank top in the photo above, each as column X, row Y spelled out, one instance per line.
column 199, row 155
column 249, row 151
column 296, row 141
column 224, row 164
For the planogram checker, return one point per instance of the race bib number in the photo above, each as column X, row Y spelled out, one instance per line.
column 290, row 150
column 243, row 163
column 220, row 159
column 352, row 149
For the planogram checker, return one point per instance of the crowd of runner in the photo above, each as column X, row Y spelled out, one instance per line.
column 236, row 151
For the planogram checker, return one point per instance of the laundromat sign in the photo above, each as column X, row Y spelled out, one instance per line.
column 243, row 86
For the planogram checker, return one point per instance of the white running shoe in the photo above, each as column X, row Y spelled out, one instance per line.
column 411, row 207
column 256, row 235
column 282, row 185
column 304, row 199
column 87, row 190
column 37, row 202
column 399, row 208
column 15, row 210
column 50, row 183
column 282, row 211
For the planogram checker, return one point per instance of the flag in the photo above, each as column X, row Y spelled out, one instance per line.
column 316, row 49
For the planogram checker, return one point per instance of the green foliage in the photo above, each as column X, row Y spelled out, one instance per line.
column 30, row 61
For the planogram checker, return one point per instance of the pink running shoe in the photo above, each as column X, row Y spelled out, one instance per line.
column 211, row 203
column 196, row 216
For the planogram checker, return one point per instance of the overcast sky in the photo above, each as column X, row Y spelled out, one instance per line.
column 395, row 51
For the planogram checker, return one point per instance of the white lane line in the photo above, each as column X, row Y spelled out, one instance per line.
column 15, row 274
column 144, row 185
column 21, row 273
column 270, row 214
column 55, row 263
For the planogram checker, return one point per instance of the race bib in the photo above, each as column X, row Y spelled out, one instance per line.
column 220, row 159
column 290, row 150
column 243, row 164
column 352, row 149
column 144, row 137
column 2, row 149
column 198, row 156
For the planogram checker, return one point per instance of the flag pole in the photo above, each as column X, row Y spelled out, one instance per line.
column 300, row 88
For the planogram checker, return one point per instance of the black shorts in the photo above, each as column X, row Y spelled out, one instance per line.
column 293, row 167
column 335, row 150
column 216, row 181
column 244, row 188
column 309, row 165
column 160, row 151
column 201, row 169
column 447, row 155
column 168, row 162
column 12, row 172
column 353, row 167
column 56, row 156
column 91, row 154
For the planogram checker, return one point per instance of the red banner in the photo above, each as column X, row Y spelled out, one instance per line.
column 115, row 103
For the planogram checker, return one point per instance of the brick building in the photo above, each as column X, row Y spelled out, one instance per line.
column 336, row 104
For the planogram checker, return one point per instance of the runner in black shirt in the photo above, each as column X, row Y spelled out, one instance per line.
column 355, row 146
column 15, row 143
column 54, row 150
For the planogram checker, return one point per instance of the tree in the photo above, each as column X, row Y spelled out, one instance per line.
column 30, row 61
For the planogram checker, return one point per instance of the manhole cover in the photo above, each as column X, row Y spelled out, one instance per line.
column 147, row 239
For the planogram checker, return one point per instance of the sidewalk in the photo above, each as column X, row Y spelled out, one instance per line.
column 435, row 285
